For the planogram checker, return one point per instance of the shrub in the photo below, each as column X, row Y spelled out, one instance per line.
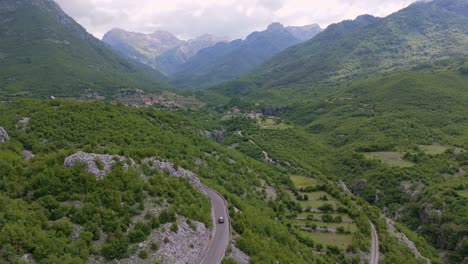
column 154, row 246
column 174, row 228
column 324, row 198
column 143, row 254
column 326, row 208
column 327, row 218
column 115, row 247
column 136, row 236
column 167, row 216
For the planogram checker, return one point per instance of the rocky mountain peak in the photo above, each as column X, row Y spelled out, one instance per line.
column 165, row 36
column 275, row 26
column 304, row 33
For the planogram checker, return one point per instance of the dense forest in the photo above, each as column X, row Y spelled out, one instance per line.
column 44, row 204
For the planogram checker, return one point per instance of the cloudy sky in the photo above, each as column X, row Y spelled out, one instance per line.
column 231, row 18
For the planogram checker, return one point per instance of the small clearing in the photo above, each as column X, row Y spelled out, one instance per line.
column 394, row 159
column 302, row 181
column 271, row 123
column 340, row 240
column 437, row 149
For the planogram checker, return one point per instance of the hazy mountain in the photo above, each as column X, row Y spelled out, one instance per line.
column 420, row 33
column 143, row 47
column 44, row 52
column 171, row 61
column 160, row 50
column 226, row 61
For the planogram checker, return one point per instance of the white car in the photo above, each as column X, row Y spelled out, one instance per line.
column 221, row 220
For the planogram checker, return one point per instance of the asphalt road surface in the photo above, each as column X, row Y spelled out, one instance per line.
column 220, row 241
column 374, row 252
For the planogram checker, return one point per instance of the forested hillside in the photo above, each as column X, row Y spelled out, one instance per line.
column 44, row 52
column 398, row 141
column 44, row 204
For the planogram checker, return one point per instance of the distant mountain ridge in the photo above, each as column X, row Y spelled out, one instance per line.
column 44, row 52
column 423, row 32
column 161, row 50
column 226, row 61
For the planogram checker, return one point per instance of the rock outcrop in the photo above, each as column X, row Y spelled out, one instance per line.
column 169, row 168
column 344, row 187
column 218, row 136
column 28, row 154
column 428, row 214
column 3, row 135
column 98, row 164
column 186, row 246
column 403, row 239
column 359, row 185
column 239, row 256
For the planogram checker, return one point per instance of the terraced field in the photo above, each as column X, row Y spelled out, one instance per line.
column 323, row 218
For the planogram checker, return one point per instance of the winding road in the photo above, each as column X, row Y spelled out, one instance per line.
column 222, row 234
column 374, row 252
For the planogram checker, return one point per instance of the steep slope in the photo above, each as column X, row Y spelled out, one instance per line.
column 226, row 61
column 61, row 215
column 160, row 50
column 44, row 52
column 420, row 33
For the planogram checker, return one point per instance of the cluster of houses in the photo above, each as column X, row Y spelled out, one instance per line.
column 252, row 115
column 165, row 103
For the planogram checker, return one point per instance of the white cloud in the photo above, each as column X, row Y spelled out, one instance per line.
column 233, row 18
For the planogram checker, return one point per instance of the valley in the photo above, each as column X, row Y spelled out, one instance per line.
column 292, row 144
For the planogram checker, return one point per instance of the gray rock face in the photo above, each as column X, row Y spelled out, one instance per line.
column 218, row 136
column 3, row 135
column 428, row 214
column 168, row 167
column 97, row 164
column 343, row 186
column 28, row 154
column 305, row 32
column 239, row 256
column 186, row 246
column 359, row 185
column 403, row 239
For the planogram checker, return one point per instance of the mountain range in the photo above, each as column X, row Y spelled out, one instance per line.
column 417, row 35
column 161, row 50
column 226, row 61
column 206, row 60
